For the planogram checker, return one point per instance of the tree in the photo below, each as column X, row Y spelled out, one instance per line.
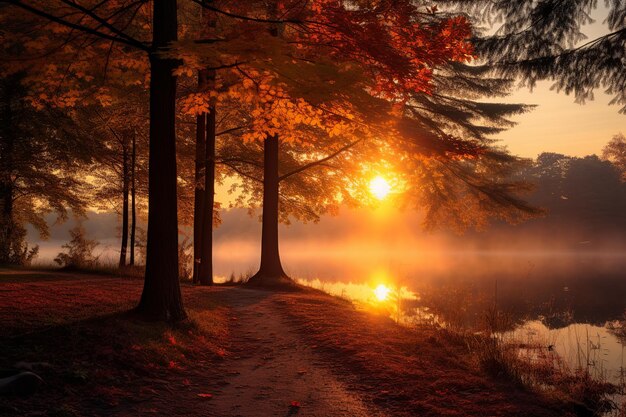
column 286, row 79
column 583, row 196
column 161, row 298
column 372, row 100
column 543, row 39
column 113, row 22
column 482, row 182
column 204, row 197
column 615, row 151
column 28, row 191
column 447, row 132
column 117, row 176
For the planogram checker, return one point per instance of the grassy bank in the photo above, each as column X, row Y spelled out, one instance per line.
column 74, row 330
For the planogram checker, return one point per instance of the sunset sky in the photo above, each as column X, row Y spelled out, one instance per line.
column 559, row 124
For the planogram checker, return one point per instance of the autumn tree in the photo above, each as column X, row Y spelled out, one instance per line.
column 40, row 150
column 448, row 159
column 119, row 169
column 117, row 24
column 316, row 83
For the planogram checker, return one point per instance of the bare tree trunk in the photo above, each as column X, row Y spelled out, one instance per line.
column 133, row 224
column 203, row 216
column 161, row 298
column 206, row 263
column 271, row 271
column 125, row 191
column 198, row 207
column 6, row 222
column 6, row 182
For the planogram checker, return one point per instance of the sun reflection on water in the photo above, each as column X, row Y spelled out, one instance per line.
column 379, row 293
column 382, row 292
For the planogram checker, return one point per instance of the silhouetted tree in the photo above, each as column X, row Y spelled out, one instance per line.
column 615, row 151
column 582, row 196
column 595, row 195
column 543, row 39
column 118, row 179
column 40, row 152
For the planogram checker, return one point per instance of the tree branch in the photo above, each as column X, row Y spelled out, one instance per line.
column 130, row 42
column 102, row 21
column 243, row 174
column 319, row 161
column 242, row 17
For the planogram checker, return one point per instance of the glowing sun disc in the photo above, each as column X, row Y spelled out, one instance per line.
column 380, row 188
column 382, row 292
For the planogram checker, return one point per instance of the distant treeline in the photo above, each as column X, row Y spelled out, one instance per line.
column 582, row 196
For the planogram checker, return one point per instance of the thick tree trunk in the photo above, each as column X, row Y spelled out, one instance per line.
column 125, row 191
column 198, row 207
column 133, row 208
column 206, row 255
column 161, row 298
column 6, row 222
column 271, row 271
column 6, row 182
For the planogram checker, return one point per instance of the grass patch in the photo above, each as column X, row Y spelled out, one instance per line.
column 421, row 371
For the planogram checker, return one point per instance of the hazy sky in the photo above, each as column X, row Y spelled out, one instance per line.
column 560, row 125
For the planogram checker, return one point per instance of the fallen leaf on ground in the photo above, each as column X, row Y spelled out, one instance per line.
column 205, row 395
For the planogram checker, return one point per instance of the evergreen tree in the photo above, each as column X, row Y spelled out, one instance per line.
column 543, row 39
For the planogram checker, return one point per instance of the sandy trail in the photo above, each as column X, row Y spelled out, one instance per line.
column 271, row 367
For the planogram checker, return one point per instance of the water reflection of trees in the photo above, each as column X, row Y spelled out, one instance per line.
column 585, row 195
column 618, row 328
column 558, row 296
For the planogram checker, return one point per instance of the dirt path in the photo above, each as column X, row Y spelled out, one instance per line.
column 271, row 367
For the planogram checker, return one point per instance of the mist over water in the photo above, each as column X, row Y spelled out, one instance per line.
column 530, row 270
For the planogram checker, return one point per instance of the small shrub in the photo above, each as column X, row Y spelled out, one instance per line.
column 79, row 251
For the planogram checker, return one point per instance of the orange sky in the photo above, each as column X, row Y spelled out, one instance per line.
column 560, row 125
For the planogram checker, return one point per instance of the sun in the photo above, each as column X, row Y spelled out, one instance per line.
column 379, row 187
column 382, row 292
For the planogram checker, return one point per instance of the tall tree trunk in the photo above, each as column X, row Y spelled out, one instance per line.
column 6, row 222
column 6, row 182
column 125, row 191
column 198, row 207
column 161, row 298
column 133, row 208
column 206, row 256
column 203, row 216
column 271, row 271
